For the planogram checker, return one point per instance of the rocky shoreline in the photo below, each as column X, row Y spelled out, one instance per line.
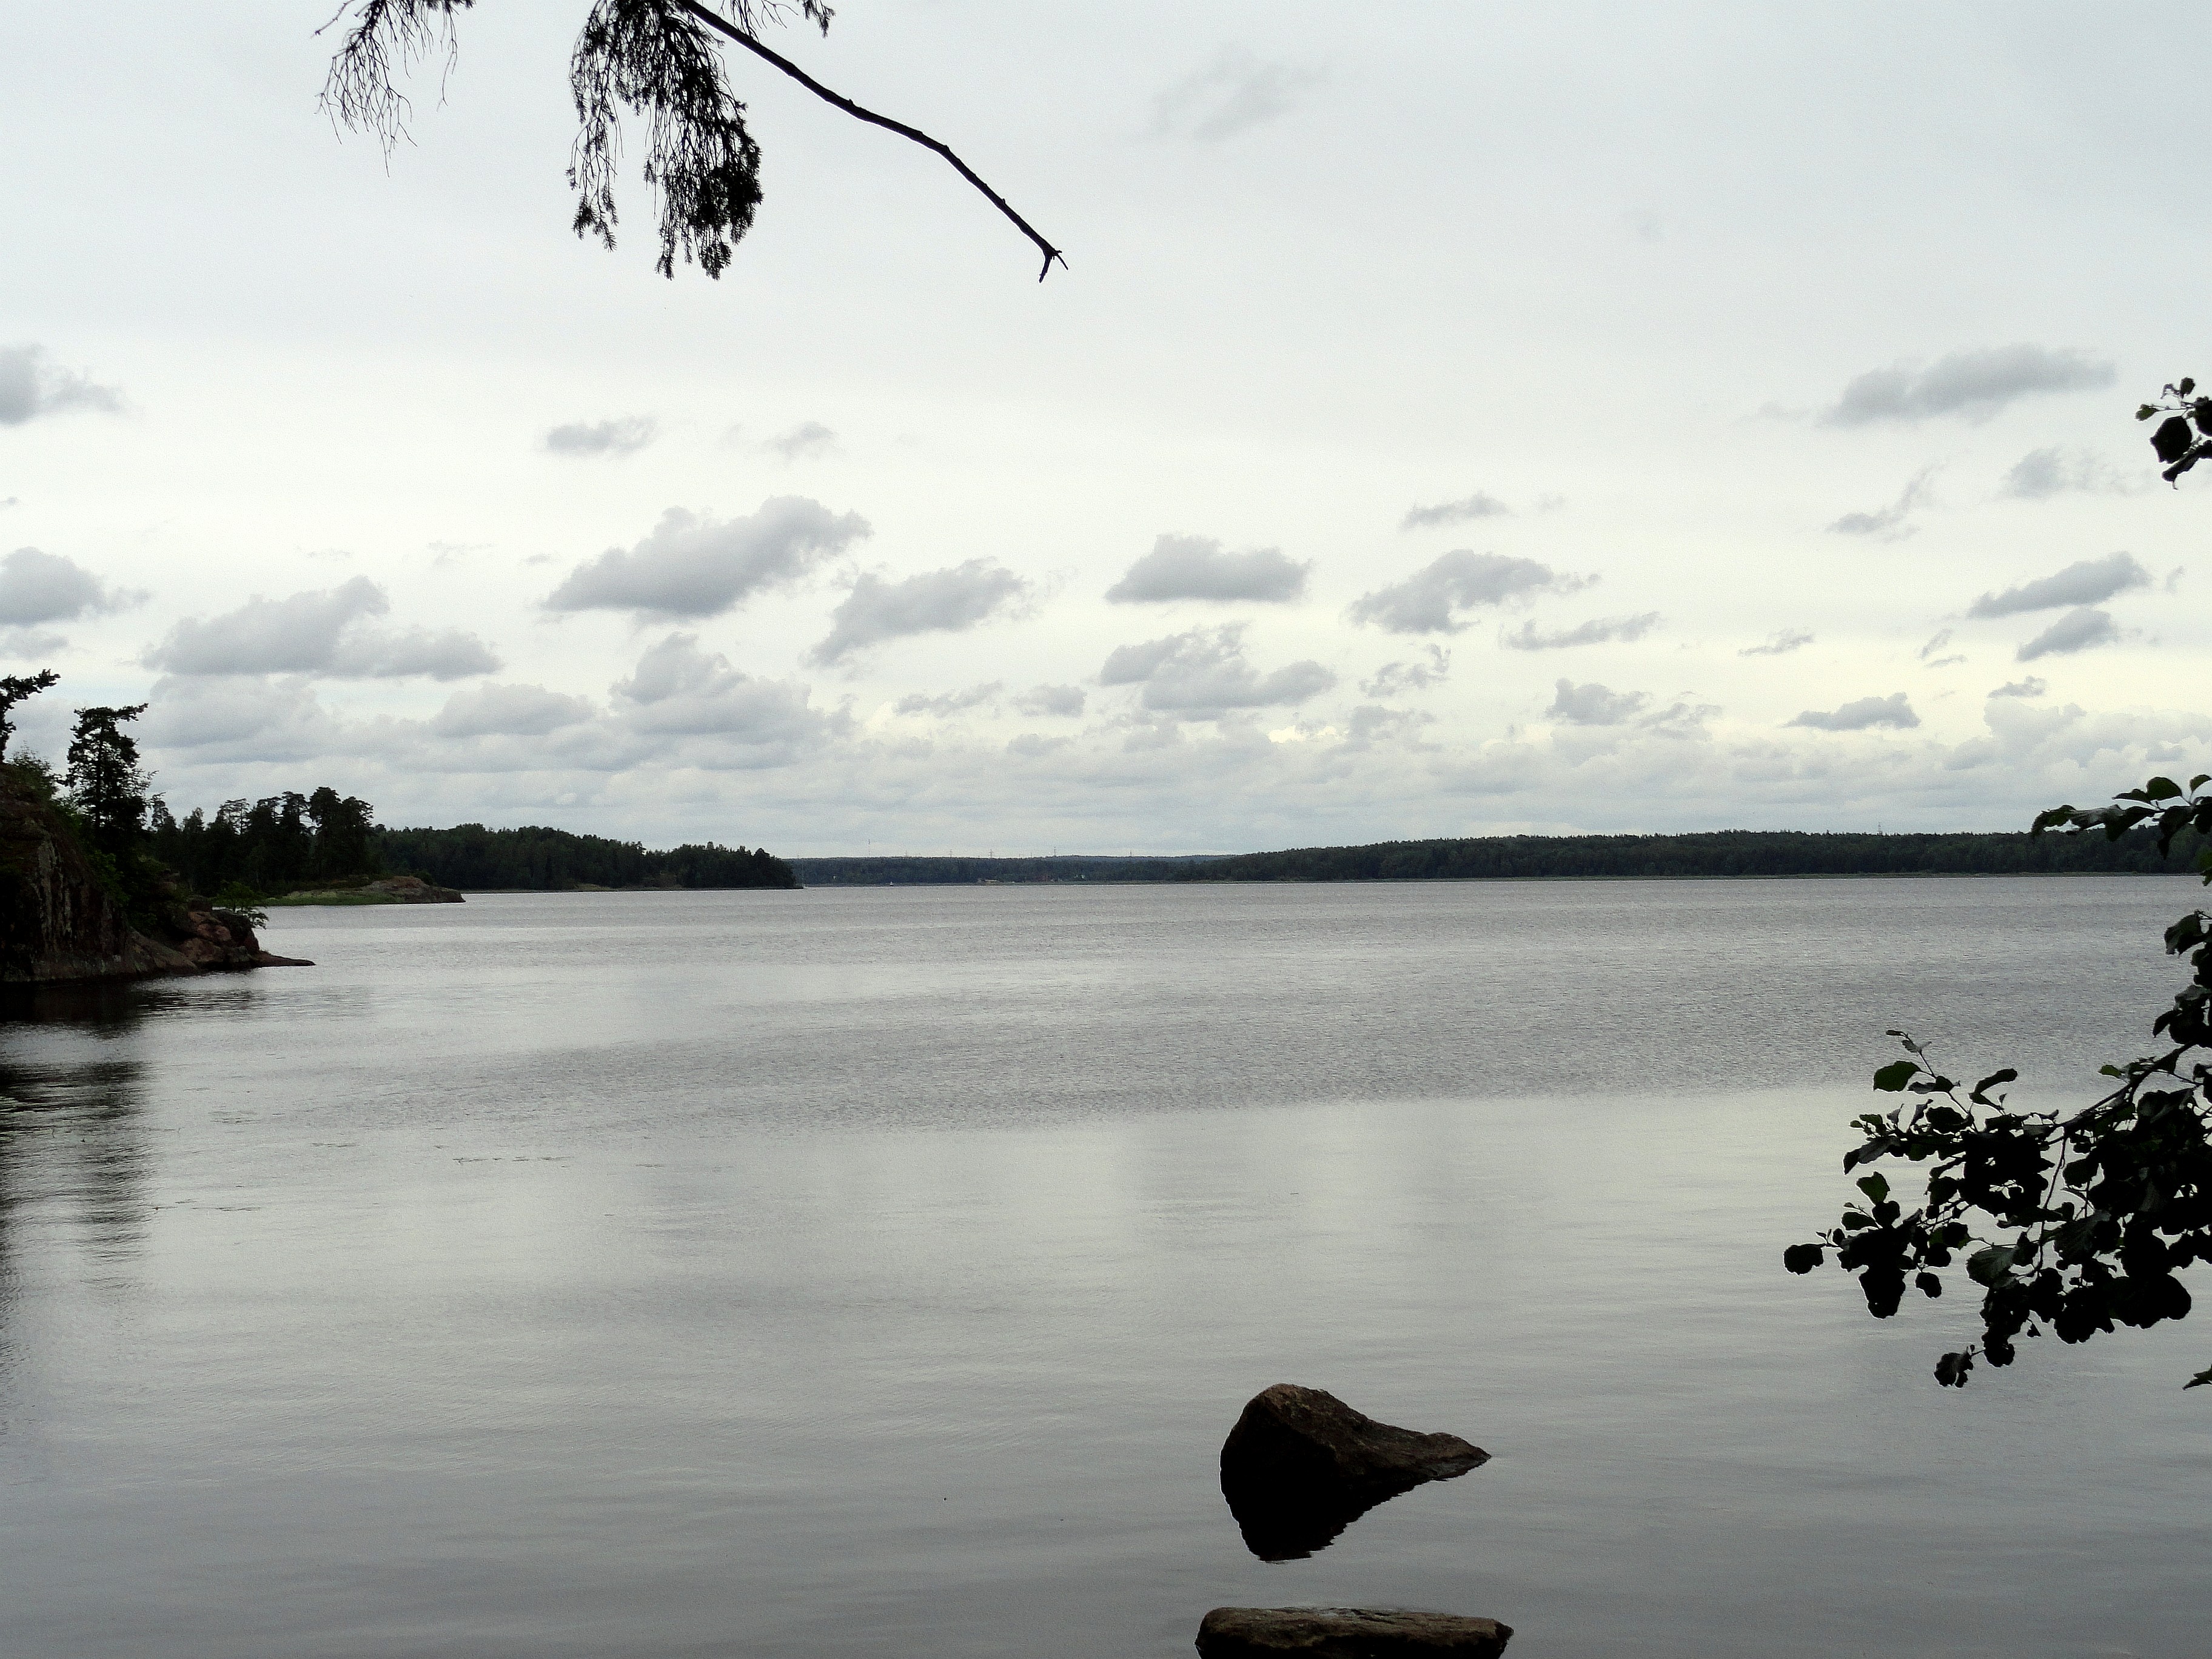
column 59, row 924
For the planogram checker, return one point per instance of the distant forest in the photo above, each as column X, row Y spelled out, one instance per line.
column 1492, row 858
column 1724, row 852
column 539, row 859
column 290, row 841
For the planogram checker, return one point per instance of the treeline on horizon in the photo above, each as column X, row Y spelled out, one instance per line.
column 1718, row 853
column 536, row 859
column 1714, row 854
column 288, row 842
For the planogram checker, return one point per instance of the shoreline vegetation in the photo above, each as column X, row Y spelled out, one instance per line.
column 1728, row 854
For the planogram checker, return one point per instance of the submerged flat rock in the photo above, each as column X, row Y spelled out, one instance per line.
column 1346, row 1633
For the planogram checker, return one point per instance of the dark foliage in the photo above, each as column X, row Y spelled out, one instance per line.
column 2071, row 1224
column 2184, row 436
column 551, row 860
column 660, row 61
column 14, row 688
column 105, row 783
column 269, row 845
column 1725, row 853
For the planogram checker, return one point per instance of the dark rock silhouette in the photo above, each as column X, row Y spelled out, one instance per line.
column 1301, row 1466
column 1346, row 1633
column 57, row 922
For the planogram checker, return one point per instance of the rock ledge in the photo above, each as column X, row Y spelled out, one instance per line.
column 1347, row 1633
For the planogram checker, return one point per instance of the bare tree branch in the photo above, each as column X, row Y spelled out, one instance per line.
column 723, row 26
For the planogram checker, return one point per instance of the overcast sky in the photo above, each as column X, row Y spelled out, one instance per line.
column 1455, row 419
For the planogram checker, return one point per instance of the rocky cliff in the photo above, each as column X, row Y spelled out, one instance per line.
column 57, row 922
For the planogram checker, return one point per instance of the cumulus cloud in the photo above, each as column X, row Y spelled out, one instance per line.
column 38, row 587
column 2077, row 630
column 521, row 711
column 1599, row 630
column 31, row 386
column 332, row 632
column 2087, row 581
column 1427, row 601
column 1888, row 524
column 1480, row 505
column 241, row 719
column 27, row 643
column 1051, row 700
column 1594, row 704
column 936, row 602
column 1233, row 94
column 1974, row 385
column 2042, row 473
column 1863, row 715
column 808, row 440
column 1203, row 674
column 693, row 565
column 1198, row 567
column 1393, row 678
column 2029, row 687
column 1779, row 645
column 625, row 436
column 679, row 690
column 951, row 702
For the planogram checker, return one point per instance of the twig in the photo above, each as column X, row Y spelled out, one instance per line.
column 723, row 26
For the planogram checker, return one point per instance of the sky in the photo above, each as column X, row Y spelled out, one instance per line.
column 1455, row 419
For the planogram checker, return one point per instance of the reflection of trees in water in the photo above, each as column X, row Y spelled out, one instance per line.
column 71, row 1141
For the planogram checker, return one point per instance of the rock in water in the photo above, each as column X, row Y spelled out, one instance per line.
column 1301, row 1466
column 1346, row 1633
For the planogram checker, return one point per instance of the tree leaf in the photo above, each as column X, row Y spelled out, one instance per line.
column 1875, row 1187
column 1803, row 1257
column 1893, row 1078
column 2198, row 1380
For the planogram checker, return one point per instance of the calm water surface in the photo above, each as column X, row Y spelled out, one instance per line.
column 876, row 1273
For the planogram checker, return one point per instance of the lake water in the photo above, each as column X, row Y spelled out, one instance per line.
column 878, row 1271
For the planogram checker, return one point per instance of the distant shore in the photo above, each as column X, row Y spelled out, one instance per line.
column 1731, row 854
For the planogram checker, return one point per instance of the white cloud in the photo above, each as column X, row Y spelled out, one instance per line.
column 1197, row 568
column 1429, row 600
column 1594, row 704
column 1866, row 714
column 2087, row 581
column 508, row 711
column 1599, row 630
column 2077, row 630
column 38, row 587
column 2042, row 473
column 2029, row 687
column 809, row 441
column 1203, row 674
column 1779, row 645
column 1393, row 678
column 32, row 386
column 1888, row 524
column 693, row 565
column 951, row 702
column 329, row 633
column 679, row 690
column 1233, row 94
column 1480, row 505
column 615, row 437
column 936, row 602
column 1043, row 701
column 1975, row 385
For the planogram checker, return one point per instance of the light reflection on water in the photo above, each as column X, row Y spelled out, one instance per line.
column 877, row 1272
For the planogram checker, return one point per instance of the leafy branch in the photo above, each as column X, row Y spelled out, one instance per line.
column 2185, row 437
column 2071, row 1224
column 655, row 59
